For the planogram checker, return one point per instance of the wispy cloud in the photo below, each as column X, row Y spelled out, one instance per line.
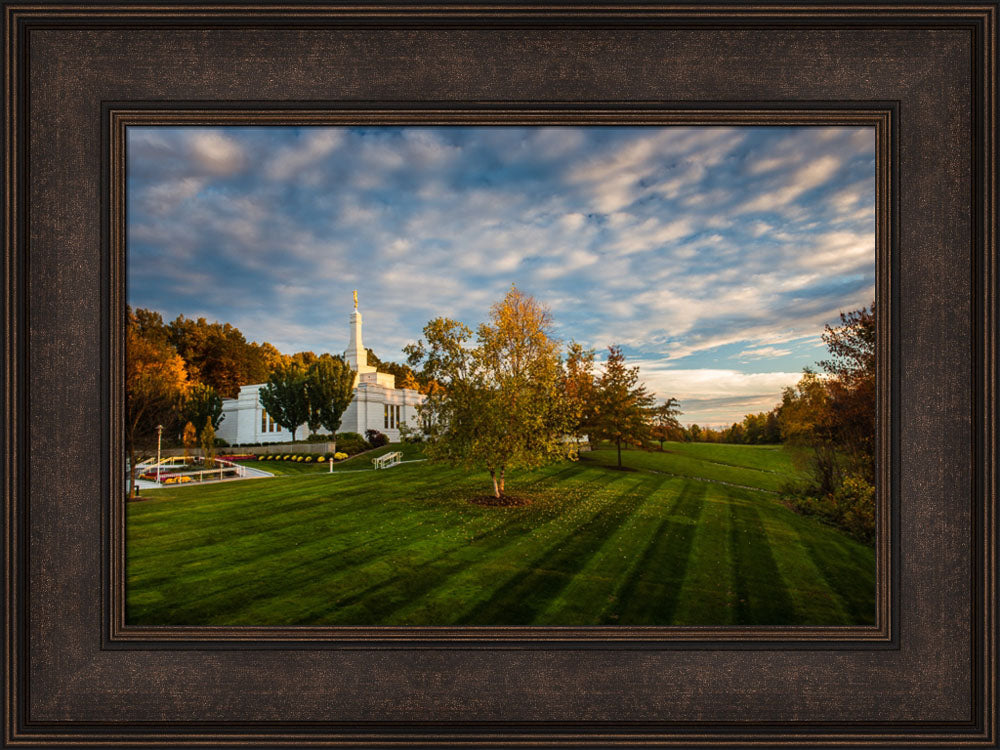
column 700, row 250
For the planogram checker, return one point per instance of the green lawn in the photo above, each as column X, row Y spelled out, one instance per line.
column 663, row 543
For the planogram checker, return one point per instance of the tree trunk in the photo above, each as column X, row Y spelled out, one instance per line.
column 131, row 471
column 619, row 441
column 496, row 489
column 502, row 472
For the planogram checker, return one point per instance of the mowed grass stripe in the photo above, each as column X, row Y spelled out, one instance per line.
column 706, row 596
column 351, row 590
column 297, row 534
column 395, row 578
column 275, row 519
column 526, row 593
column 805, row 584
column 650, row 593
column 404, row 546
column 598, row 584
column 761, row 597
column 464, row 595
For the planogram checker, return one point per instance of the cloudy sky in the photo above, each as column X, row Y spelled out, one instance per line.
column 712, row 255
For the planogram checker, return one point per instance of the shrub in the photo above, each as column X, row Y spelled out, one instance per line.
column 319, row 438
column 855, row 499
column 351, row 443
column 308, row 459
column 339, row 456
column 851, row 506
column 376, row 439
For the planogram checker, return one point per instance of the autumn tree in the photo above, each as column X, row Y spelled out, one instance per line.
column 499, row 404
column 189, row 439
column 579, row 388
column 852, row 387
column 284, row 397
column 664, row 421
column 155, row 385
column 329, row 389
column 807, row 423
column 217, row 354
column 622, row 404
column 207, row 439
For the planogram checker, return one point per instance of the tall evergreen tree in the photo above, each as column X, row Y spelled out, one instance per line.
column 623, row 404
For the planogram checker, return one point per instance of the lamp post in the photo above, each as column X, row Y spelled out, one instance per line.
column 159, row 438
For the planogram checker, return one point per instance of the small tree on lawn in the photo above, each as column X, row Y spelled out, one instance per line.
column 623, row 404
column 499, row 405
column 284, row 396
column 579, row 388
column 208, row 444
column 329, row 390
column 665, row 424
column 189, row 439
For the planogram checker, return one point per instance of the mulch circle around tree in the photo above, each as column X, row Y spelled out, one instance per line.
column 504, row 501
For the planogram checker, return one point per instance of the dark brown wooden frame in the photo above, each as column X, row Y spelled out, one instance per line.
column 76, row 75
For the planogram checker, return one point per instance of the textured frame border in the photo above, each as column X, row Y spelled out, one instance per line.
column 980, row 730
column 881, row 635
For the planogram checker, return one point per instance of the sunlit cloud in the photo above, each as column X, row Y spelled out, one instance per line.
column 713, row 255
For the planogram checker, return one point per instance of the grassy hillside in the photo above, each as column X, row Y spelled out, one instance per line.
column 663, row 543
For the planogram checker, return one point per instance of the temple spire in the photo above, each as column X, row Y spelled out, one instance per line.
column 357, row 356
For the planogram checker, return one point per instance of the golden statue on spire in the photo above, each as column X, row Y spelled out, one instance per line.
column 355, row 299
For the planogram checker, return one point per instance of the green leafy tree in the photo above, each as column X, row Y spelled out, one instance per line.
column 498, row 405
column 665, row 424
column 201, row 406
column 623, row 404
column 284, row 397
column 329, row 390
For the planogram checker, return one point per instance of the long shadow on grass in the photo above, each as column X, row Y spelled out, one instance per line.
column 381, row 599
column 649, row 595
column 761, row 597
column 520, row 600
column 853, row 585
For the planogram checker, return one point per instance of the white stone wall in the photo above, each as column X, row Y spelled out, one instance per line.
column 242, row 423
column 367, row 410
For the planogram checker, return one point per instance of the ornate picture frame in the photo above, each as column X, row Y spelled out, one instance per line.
column 78, row 75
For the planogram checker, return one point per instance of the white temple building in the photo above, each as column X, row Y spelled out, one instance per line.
column 377, row 404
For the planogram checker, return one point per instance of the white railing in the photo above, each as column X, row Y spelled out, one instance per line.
column 202, row 475
column 387, row 460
